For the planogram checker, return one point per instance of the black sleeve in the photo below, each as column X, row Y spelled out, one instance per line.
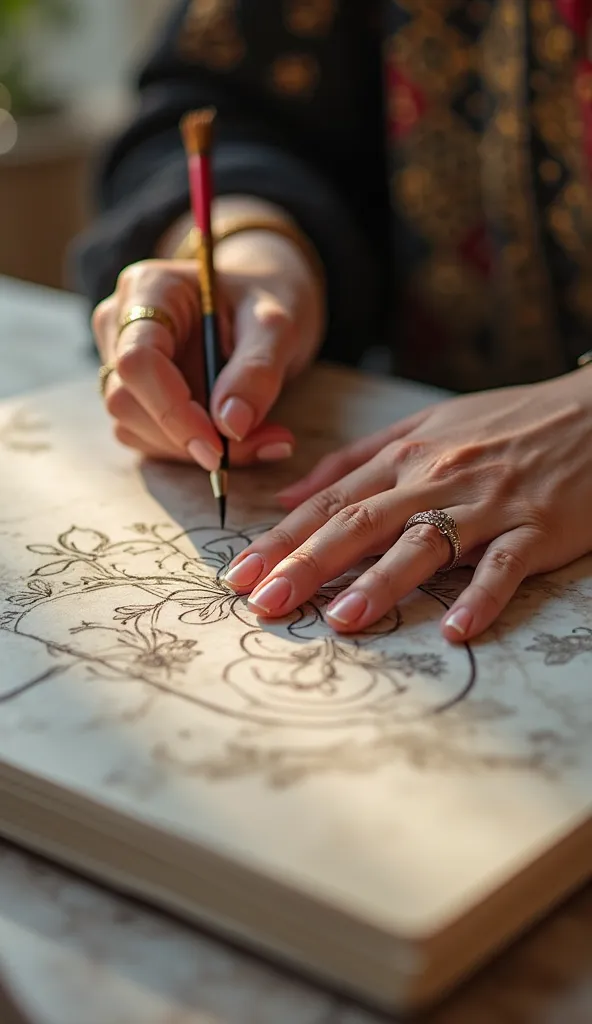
column 299, row 124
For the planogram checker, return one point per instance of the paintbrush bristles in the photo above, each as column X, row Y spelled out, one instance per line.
column 197, row 129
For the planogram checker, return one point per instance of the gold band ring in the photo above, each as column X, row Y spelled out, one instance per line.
column 445, row 525
column 146, row 313
column 105, row 372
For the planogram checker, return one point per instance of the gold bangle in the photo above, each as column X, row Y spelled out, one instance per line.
column 238, row 225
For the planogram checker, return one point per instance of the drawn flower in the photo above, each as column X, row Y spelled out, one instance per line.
column 168, row 655
column 559, row 650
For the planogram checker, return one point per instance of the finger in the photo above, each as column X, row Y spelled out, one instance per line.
column 338, row 464
column 251, row 381
column 260, row 557
column 414, row 558
column 162, row 391
column 507, row 561
column 344, row 543
column 139, row 444
column 133, row 419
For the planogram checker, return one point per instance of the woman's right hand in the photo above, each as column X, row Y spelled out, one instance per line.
column 272, row 320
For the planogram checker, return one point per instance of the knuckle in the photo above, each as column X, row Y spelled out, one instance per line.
column 455, row 462
column 281, row 538
column 406, row 451
column 428, row 540
column 271, row 315
column 507, row 562
column 133, row 362
column 379, row 578
column 306, row 560
column 130, row 275
column 102, row 315
column 362, row 519
column 327, row 504
column 168, row 419
column 118, row 402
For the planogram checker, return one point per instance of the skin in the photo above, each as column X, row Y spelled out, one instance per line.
column 272, row 321
column 512, row 466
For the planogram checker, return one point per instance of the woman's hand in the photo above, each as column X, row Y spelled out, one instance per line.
column 272, row 320
column 514, row 469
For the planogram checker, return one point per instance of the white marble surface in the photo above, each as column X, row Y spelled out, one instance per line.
column 77, row 955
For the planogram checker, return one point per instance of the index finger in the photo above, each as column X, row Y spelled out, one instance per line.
column 145, row 366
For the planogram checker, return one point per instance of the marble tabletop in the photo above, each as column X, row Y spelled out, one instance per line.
column 72, row 953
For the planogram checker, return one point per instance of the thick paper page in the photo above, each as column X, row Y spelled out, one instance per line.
column 395, row 776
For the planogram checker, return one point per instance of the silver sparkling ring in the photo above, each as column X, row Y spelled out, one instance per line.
column 446, row 525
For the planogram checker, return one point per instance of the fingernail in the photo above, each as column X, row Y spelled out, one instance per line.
column 349, row 608
column 246, row 573
column 238, row 417
column 203, row 453
column 275, row 452
column 272, row 596
column 459, row 621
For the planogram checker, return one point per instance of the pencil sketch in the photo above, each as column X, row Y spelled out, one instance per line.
column 152, row 609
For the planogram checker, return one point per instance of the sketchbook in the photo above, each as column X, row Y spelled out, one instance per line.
column 383, row 812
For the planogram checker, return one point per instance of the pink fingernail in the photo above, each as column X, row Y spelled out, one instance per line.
column 204, row 454
column 246, row 573
column 460, row 621
column 272, row 596
column 348, row 609
column 238, row 417
column 275, row 452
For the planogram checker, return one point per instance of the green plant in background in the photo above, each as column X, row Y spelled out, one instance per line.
column 19, row 20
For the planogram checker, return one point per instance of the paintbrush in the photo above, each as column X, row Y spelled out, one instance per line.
column 197, row 130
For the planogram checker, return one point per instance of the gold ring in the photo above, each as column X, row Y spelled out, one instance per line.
column 445, row 525
column 146, row 313
column 105, row 372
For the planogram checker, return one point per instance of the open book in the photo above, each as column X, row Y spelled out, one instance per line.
column 382, row 811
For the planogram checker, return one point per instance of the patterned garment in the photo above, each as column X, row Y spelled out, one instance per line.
column 489, row 136
column 490, row 128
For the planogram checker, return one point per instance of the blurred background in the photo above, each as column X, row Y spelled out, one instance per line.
column 66, row 68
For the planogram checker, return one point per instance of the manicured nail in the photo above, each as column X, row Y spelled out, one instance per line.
column 246, row 573
column 203, row 453
column 348, row 609
column 275, row 452
column 238, row 417
column 272, row 596
column 460, row 621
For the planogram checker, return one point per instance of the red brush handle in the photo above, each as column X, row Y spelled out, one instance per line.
column 200, row 185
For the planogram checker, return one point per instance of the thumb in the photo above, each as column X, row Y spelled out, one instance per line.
column 265, row 344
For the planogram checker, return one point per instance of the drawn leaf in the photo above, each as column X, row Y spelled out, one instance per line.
column 54, row 568
column 83, row 542
column 23, row 600
column 140, row 547
column 207, row 602
column 133, row 611
column 7, row 618
column 43, row 549
column 40, row 587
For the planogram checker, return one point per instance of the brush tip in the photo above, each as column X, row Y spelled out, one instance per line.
column 197, row 129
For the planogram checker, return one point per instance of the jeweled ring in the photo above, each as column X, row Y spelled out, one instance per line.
column 446, row 525
column 146, row 313
column 105, row 372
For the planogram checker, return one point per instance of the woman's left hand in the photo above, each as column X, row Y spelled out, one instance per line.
column 514, row 469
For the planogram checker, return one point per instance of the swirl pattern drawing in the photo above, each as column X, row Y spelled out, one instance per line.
column 139, row 631
column 151, row 609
